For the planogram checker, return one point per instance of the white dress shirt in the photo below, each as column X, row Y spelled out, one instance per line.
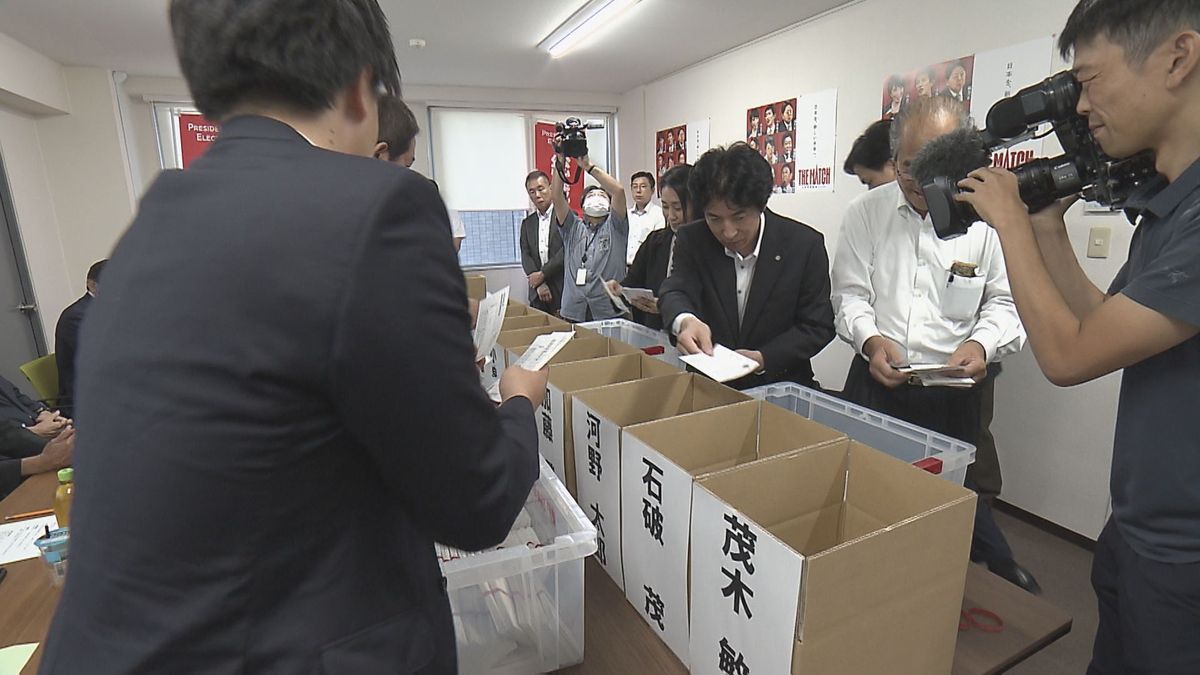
column 544, row 234
column 891, row 277
column 743, row 270
column 641, row 224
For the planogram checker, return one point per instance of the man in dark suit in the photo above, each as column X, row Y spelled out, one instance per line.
column 746, row 277
column 277, row 387
column 24, row 453
column 16, row 407
column 66, row 335
column 542, row 247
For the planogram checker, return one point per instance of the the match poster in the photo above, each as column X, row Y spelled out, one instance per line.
column 953, row 79
column 543, row 152
column 1000, row 73
column 670, row 150
column 771, row 130
column 816, row 134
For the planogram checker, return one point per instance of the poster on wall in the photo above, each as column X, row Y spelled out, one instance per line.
column 816, row 131
column 670, row 149
column 771, row 130
column 699, row 138
column 1000, row 73
column 543, row 153
column 196, row 134
column 953, row 79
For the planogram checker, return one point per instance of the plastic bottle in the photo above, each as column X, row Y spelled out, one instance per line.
column 63, row 496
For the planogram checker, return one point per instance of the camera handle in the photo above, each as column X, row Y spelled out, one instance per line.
column 563, row 174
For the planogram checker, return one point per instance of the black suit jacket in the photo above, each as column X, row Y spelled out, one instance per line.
column 66, row 343
column 16, row 442
column 649, row 270
column 15, row 405
column 282, row 416
column 531, row 261
column 789, row 317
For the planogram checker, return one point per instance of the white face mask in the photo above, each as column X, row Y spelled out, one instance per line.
column 596, row 204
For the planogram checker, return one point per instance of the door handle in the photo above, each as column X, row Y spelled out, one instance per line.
column 26, row 308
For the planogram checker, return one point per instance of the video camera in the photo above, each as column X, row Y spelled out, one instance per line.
column 1082, row 168
column 570, row 136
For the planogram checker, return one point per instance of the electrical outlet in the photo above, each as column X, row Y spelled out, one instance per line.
column 1099, row 239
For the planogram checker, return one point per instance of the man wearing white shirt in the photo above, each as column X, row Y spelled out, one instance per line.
column 645, row 216
column 902, row 296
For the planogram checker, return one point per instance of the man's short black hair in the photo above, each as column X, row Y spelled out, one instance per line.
column 677, row 178
column 643, row 174
column 735, row 174
column 1138, row 26
column 93, row 273
column 293, row 53
column 589, row 190
column 895, row 81
column 534, row 175
column 397, row 125
column 872, row 149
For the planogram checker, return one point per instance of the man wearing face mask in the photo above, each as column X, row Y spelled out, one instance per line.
column 595, row 245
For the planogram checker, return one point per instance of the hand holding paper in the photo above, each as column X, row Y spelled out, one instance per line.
column 491, row 319
column 617, row 301
column 543, row 349
column 723, row 365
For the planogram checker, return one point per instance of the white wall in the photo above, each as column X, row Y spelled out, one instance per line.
column 30, row 82
column 1055, row 444
column 88, row 172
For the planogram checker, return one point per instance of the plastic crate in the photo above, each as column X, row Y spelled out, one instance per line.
column 520, row 610
column 936, row 453
column 654, row 342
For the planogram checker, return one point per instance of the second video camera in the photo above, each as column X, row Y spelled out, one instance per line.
column 1082, row 168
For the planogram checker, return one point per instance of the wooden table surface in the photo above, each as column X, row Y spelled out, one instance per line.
column 617, row 639
column 27, row 599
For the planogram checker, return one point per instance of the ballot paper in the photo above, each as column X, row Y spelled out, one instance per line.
column 929, row 369
column 543, row 349
column 942, row 381
column 632, row 294
column 937, row 375
column 616, row 299
column 491, row 319
column 16, row 539
column 724, row 364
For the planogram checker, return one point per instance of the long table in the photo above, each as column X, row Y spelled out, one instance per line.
column 617, row 639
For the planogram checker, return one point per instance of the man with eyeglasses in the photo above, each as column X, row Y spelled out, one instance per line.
column 904, row 297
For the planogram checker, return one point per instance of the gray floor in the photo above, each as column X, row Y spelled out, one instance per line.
column 1063, row 569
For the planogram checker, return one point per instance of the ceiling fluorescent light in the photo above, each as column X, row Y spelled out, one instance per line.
column 586, row 21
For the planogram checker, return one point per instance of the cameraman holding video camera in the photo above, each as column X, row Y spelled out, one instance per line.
column 1137, row 62
column 594, row 245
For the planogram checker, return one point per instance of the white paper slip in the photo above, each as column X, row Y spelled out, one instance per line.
column 924, row 369
column 724, row 364
column 491, row 319
column 940, row 381
column 632, row 294
column 616, row 299
column 14, row 659
column 543, row 349
column 16, row 539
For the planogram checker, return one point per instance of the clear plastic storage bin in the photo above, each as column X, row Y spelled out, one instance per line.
column 520, row 610
column 654, row 342
column 936, row 453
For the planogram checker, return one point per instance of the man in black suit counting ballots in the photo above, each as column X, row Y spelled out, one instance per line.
column 746, row 277
column 281, row 411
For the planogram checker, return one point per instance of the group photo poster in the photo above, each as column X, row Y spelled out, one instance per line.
column 953, row 78
column 670, row 150
column 771, row 131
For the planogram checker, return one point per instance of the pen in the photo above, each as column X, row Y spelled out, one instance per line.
column 30, row 514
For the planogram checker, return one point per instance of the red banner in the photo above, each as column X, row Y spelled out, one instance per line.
column 195, row 135
column 543, row 151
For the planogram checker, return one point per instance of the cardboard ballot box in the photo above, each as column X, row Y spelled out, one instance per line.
column 577, row 374
column 837, row 559
column 936, row 453
column 658, row 463
column 515, row 308
column 585, row 347
column 522, row 338
column 533, row 319
column 598, row 417
column 476, row 286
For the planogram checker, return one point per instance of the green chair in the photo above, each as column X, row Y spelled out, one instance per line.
column 43, row 375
